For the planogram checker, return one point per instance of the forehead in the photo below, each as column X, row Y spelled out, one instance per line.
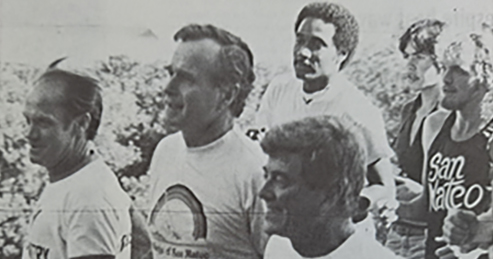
column 316, row 28
column 44, row 98
column 196, row 56
column 285, row 163
column 411, row 50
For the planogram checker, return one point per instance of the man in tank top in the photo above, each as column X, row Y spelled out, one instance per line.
column 456, row 173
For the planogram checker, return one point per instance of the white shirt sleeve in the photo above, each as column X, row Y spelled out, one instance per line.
column 95, row 228
column 263, row 118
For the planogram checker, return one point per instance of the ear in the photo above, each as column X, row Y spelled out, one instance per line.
column 228, row 94
column 83, row 121
column 341, row 57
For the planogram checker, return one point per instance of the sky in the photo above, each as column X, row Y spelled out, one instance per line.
column 40, row 31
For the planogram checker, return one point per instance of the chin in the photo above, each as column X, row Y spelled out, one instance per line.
column 449, row 105
column 301, row 76
column 274, row 228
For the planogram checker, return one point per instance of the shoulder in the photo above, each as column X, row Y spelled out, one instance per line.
column 279, row 247
column 247, row 152
column 96, row 186
column 281, row 85
column 368, row 247
column 171, row 140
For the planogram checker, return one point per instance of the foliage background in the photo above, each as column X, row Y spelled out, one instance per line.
column 133, row 124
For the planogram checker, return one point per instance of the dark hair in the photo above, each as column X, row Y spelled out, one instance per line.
column 80, row 94
column 330, row 152
column 346, row 36
column 423, row 34
column 235, row 60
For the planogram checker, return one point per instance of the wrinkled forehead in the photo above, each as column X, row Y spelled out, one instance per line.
column 196, row 55
column 46, row 93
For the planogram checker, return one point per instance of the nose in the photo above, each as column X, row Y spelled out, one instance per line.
column 171, row 87
column 305, row 52
column 266, row 193
column 411, row 67
column 447, row 78
column 31, row 133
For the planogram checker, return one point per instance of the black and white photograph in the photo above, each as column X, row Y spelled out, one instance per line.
column 246, row 129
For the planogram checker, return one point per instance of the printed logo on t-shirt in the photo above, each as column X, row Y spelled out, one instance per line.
column 446, row 184
column 178, row 225
column 37, row 251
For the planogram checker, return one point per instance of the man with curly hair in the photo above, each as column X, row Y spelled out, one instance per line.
column 326, row 38
column 205, row 178
column 455, row 144
column 422, row 75
column 314, row 177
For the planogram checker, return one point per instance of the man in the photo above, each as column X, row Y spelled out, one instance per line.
column 457, row 166
column 314, row 176
column 326, row 37
column 206, row 176
column 82, row 212
column 417, row 44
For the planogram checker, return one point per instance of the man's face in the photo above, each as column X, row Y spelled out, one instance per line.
column 315, row 54
column 191, row 96
column 457, row 91
column 292, row 205
column 418, row 65
column 49, row 134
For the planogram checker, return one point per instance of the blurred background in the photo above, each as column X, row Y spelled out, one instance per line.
column 125, row 45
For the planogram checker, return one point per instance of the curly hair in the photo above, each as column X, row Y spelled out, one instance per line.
column 235, row 60
column 80, row 94
column 330, row 151
column 347, row 29
column 423, row 35
column 473, row 52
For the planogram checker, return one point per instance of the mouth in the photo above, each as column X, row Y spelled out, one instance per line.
column 412, row 77
column 448, row 90
column 35, row 148
column 303, row 66
column 274, row 214
column 173, row 106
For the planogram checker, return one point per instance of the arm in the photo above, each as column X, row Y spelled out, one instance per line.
column 94, row 229
column 141, row 239
column 419, row 205
column 255, row 212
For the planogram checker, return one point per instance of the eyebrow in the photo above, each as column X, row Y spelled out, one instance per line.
column 312, row 37
column 183, row 74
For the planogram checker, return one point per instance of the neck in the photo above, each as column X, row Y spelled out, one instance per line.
column 467, row 122
column 430, row 96
column 200, row 136
column 315, row 85
column 323, row 240
column 70, row 164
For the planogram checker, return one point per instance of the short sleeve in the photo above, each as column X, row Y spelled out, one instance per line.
column 255, row 214
column 264, row 116
column 97, row 229
column 374, row 135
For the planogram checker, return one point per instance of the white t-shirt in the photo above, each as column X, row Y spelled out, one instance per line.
column 359, row 245
column 86, row 213
column 285, row 101
column 204, row 199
